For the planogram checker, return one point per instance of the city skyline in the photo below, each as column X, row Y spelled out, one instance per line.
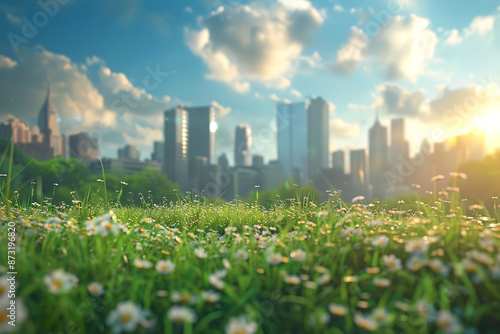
column 424, row 78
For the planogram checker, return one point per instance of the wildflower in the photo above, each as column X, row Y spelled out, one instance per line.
column 381, row 316
column 59, row 281
column 164, row 267
column 469, row 266
column 373, row 270
column 457, row 175
column 448, row 322
column 95, row 289
column 215, row 278
column 184, row 297
column 439, row 267
column 274, row 259
column 324, row 279
column 481, row 258
column 210, row 296
column 381, row 282
column 200, row 253
column 142, row 264
column 337, row 309
column 365, row 322
column 380, row 241
column 357, row 199
column 425, row 310
column 226, row 264
column 437, row 178
column 392, row 262
column 322, row 214
column 241, row 254
column 181, row 314
column 416, row 246
column 241, row 325
column 292, row 279
column 350, row 232
column 414, row 263
column 125, row 317
column 298, row 255
column 20, row 313
column 401, row 306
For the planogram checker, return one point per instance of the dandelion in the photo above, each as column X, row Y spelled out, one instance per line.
column 210, row 296
column 59, row 281
column 365, row 322
column 337, row 309
column 392, row 262
column 241, row 325
column 448, row 322
column 298, row 255
column 181, row 314
column 200, row 253
column 292, row 279
column 95, row 289
column 126, row 317
column 164, row 267
column 241, row 255
column 274, row 259
column 380, row 241
column 142, row 264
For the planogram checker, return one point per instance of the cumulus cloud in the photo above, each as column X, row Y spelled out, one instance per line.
column 395, row 99
column 402, row 47
column 338, row 8
column 220, row 109
column 254, row 42
column 88, row 97
column 296, row 93
column 481, row 25
column 343, row 130
column 454, row 38
column 353, row 106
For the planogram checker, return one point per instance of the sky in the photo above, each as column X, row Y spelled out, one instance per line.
column 116, row 65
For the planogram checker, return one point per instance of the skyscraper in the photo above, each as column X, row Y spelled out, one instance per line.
column 400, row 147
column 158, row 151
column 201, row 130
column 358, row 166
column 175, row 163
column 83, row 147
column 317, row 136
column 338, row 160
column 128, row 152
column 292, row 138
column 242, row 145
column 379, row 160
column 48, row 123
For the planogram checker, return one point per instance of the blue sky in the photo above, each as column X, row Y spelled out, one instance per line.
column 426, row 60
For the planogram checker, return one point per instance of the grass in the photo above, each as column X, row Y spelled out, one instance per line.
column 331, row 258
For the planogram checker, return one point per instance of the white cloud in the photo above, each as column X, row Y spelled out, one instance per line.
column 7, row 62
column 253, row 42
column 480, row 25
column 402, row 48
column 352, row 106
column 343, row 130
column 296, row 93
column 13, row 19
column 221, row 110
column 398, row 100
column 188, row 9
column 454, row 38
column 338, row 8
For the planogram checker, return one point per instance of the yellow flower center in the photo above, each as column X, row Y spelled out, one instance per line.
column 240, row 331
column 57, row 283
column 125, row 318
column 164, row 267
column 471, row 268
column 185, row 297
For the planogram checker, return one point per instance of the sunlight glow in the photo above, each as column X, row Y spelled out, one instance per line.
column 489, row 123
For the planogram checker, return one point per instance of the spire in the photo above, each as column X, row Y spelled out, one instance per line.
column 47, row 117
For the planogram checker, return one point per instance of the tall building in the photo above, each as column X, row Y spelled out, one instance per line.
column 128, row 152
column 223, row 162
column 400, row 147
column 378, row 158
column 16, row 130
column 257, row 161
column 158, row 151
column 242, row 145
column 175, row 163
column 48, row 123
column 201, row 130
column 358, row 166
column 292, row 138
column 470, row 146
column 317, row 136
column 83, row 147
column 338, row 160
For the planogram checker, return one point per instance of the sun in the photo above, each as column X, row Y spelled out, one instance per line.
column 489, row 122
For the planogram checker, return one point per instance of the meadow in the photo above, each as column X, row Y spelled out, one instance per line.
column 293, row 267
